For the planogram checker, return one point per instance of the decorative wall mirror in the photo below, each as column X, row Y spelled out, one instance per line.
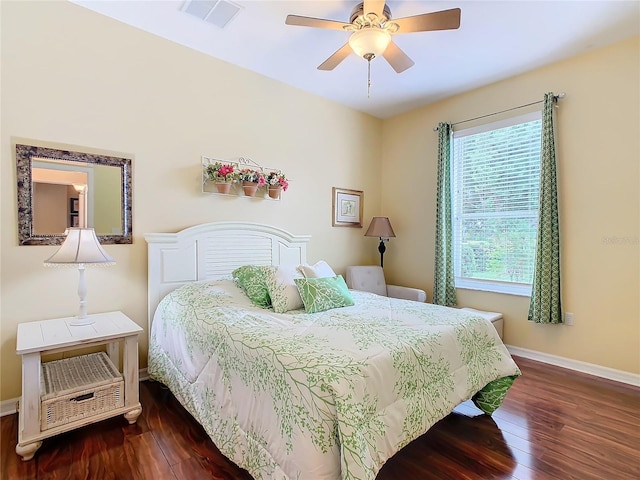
column 59, row 189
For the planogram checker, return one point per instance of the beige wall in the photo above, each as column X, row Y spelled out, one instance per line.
column 73, row 77
column 598, row 126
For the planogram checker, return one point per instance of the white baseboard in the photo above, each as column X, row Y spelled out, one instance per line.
column 577, row 365
column 9, row 407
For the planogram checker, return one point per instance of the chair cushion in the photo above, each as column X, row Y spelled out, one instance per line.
column 368, row 278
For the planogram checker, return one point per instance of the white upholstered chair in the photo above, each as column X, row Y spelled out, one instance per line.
column 370, row 278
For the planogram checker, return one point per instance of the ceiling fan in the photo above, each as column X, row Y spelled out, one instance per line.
column 372, row 27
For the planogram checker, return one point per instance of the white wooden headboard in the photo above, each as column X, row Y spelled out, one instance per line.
column 214, row 250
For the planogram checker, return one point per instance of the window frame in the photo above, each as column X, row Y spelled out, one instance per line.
column 470, row 283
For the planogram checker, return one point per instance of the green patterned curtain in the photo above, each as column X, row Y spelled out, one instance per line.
column 545, row 304
column 444, row 290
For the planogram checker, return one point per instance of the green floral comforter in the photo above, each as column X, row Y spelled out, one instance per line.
column 327, row 395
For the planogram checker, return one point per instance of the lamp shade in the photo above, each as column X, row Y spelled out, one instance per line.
column 80, row 247
column 380, row 227
column 369, row 41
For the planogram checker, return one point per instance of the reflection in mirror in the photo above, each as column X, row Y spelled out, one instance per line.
column 59, row 189
column 67, row 195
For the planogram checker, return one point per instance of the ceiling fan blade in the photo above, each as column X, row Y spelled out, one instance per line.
column 314, row 22
column 334, row 60
column 373, row 6
column 397, row 58
column 443, row 20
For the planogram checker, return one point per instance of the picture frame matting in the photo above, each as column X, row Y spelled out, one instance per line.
column 347, row 207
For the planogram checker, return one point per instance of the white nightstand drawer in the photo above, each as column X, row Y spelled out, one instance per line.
column 78, row 388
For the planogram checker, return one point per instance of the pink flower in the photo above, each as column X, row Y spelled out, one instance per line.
column 219, row 172
column 226, row 170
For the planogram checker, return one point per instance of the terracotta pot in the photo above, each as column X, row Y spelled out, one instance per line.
column 250, row 188
column 223, row 187
column 275, row 191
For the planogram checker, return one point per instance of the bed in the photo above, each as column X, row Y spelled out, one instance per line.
column 331, row 394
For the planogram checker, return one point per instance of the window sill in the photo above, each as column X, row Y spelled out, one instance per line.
column 521, row 290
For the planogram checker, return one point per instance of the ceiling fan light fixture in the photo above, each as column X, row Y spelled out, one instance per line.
column 369, row 41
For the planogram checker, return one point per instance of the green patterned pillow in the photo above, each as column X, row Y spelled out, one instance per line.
column 320, row 294
column 252, row 280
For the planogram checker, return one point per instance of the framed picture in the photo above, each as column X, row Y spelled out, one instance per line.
column 73, row 205
column 347, row 207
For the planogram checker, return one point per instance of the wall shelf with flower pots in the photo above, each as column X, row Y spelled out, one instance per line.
column 242, row 178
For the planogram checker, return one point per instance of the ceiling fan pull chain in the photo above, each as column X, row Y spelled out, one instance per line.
column 369, row 78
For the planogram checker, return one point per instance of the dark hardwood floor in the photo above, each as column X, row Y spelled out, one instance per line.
column 554, row 424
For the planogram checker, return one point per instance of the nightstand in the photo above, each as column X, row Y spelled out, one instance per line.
column 58, row 335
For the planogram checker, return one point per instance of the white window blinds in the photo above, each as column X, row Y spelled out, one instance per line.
column 496, row 178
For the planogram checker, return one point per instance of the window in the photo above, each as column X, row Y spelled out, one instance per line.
column 496, row 178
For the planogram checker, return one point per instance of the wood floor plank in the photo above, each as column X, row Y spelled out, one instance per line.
column 95, row 451
column 146, row 460
column 525, row 451
column 594, row 454
column 11, row 465
column 555, row 424
column 163, row 415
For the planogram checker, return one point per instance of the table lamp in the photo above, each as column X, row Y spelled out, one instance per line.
column 81, row 247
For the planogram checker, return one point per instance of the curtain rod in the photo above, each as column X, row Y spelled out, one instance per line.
column 555, row 97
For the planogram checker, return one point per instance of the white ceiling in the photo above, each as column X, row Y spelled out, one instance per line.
column 496, row 40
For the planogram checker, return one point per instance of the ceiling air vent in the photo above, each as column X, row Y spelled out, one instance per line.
column 216, row 12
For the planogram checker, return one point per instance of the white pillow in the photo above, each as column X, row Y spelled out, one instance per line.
column 282, row 288
column 320, row 270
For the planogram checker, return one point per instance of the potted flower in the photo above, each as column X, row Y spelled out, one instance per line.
column 223, row 175
column 251, row 179
column 277, row 183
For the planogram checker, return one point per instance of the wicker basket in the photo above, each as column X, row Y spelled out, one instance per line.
column 79, row 387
